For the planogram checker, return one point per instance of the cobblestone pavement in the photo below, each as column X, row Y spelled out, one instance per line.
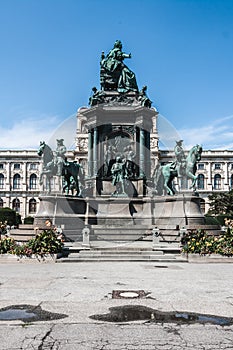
column 83, row 289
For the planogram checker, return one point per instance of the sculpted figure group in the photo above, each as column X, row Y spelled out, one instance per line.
column 120, row 168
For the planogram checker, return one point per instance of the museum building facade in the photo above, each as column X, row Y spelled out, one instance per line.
column 20, row 171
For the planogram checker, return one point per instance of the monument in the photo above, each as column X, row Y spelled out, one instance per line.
column 123, row 192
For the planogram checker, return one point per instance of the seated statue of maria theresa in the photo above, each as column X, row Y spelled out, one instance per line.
column 114, row 74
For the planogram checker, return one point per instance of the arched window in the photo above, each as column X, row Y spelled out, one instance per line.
column 1, row 181
column 33, row 182
column 217, row 182
column 201, row 182
column 16, row 182
column 16, row 204
column 1, row 203
column 32, row 205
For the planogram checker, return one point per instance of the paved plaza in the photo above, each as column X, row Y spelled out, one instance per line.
column 79, row 290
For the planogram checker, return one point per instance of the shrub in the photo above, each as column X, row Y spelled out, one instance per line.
column 8, row 215
column 7, row 245
column 46, row 242
column 29, row 220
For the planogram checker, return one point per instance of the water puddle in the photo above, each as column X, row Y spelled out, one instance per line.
column 27, row 313
column 128, row 313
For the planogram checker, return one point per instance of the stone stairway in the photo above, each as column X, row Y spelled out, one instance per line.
column 134, row 251
column 23, row 233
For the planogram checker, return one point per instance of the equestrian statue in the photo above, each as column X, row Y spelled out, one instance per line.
column 182, row 167
column 56, row 164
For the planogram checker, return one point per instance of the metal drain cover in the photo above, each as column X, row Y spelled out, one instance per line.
column 128, row 294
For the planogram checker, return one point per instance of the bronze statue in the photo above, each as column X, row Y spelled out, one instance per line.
column 115, row 75
column 164, row 175
column 72, row 172
column 118, row 177
column 143, row 98
column 180, row 158
column 60, row 158
column 130, row 166
column 109, row 158
column 97, row 97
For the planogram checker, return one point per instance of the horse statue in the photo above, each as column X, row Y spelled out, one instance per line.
column 165, row 174
column 72, row 172
column 49, row 166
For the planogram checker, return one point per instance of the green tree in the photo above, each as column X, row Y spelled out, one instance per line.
column 221, row 203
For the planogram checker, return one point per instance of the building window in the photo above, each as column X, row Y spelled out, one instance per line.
column 33, row 182
column 1, row 203
column 32, row 206
column 16, row 204
column 50, row 182
column 217, row 182
column 33, row 166
column 231, row 182
column 16, row 182
column 217, row 166
column 16, row 166
column 201, row 182
column 1, row 166
column 1, row 181
column 200, row 166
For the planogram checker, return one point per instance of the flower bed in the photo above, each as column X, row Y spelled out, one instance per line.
column 201, row 242
column 46, row 242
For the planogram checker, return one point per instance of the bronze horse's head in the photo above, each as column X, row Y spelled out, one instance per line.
column 199, row 150
column 41, row 148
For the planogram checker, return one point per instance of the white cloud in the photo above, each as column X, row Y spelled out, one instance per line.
column 28, row 133
column 217, row 135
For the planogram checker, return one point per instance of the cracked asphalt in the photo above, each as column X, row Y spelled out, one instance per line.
column 80, row 290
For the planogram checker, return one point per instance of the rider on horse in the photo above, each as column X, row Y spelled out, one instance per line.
column 60, row 158
column 180, row 161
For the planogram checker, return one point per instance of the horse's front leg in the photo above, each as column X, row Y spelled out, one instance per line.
column 66, row 187
column 167, row 187
column 193, row 177
column 41, row 178
column 194, row 180
column 77, row 187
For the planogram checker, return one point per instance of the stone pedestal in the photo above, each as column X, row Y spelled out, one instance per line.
column 119, row 218
column 65, row 211
column 180, row 210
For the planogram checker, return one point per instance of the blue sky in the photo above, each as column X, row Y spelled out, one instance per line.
column 181, row 49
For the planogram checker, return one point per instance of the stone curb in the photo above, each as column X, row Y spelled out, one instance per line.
column 11, row 258
column 213, row 258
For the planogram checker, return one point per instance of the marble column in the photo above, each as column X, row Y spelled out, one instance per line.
column 90, row 154
column 142, row 152
column 95, row 152
column 147, row 154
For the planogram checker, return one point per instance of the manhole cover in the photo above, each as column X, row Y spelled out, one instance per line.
column 128, row 294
